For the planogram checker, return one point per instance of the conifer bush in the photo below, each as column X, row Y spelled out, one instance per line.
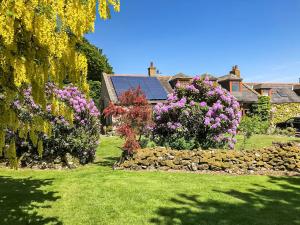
column 201, row 114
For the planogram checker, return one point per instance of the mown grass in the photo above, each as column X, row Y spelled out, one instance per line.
column 260, row 141
column 96, row 194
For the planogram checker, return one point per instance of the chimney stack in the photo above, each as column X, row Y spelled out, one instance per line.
column 236, row 71
column 151, row 70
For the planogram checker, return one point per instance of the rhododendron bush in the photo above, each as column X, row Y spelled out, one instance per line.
column 201, row 114
column 76, row 133
column 132, row 115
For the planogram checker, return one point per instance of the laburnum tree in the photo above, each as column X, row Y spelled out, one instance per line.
column 133, row 115
column 38, row 44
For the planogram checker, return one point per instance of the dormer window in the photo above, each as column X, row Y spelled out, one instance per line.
column 235, row 86
column 232, row 81
column 263, row 89
column 265, row 92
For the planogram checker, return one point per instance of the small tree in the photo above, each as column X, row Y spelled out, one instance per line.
column 133, row 115
column 248, row 127
column 263, row 108
column 95, row 92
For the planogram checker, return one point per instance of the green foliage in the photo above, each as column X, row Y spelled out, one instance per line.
column 95, row 92
column 263, row 108
column 290, row 131
column 97, row 62
column 252, row 125
column 175, row 142
column 283, row 112
column 146, row 142
column 80, row 141
column 248, row 126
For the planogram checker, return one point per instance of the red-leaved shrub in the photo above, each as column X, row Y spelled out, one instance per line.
column 133, row 115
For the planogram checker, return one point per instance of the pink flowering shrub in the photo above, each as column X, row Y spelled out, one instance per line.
column 79, row 138
column 201, row 114
column 82, row 138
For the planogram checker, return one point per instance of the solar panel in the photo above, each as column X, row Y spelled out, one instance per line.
column 151, row 86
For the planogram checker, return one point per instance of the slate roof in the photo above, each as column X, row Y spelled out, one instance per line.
column 164, row 80
column 229, row 77
column 262, row 86
column 281, row 92
column 284, row 95
column 247, row 95
column 180, row 75
column 271, row 85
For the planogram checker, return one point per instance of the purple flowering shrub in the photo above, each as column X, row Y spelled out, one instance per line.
column 79, row 137
column 201, row 114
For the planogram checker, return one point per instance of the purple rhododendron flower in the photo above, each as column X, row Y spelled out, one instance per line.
column 203, row 104
column 218, row 114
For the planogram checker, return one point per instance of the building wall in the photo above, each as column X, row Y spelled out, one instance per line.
column 105, row 100
column 283, row 112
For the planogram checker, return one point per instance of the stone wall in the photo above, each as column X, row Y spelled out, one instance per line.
column 279, row 157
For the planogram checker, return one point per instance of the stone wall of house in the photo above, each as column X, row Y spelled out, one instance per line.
column 279, row 157
column 283, row 112
column 105, row 102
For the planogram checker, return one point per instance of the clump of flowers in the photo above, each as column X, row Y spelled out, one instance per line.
column 79, row 134
column 202, row 113
column 73, row 124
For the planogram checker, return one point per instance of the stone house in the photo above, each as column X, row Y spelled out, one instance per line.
column 156, row 88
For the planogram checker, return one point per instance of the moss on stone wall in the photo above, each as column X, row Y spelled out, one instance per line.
column 282, row 112
column 279, row 157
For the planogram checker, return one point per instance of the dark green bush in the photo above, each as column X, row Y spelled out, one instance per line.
column 179, row 143
column 95, row 92
column 262, row 108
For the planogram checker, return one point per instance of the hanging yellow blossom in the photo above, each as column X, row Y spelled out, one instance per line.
column 37, row 45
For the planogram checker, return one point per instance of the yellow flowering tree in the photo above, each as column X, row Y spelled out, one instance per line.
column 38, row 44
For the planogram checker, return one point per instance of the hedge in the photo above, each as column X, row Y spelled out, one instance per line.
column 283, row 112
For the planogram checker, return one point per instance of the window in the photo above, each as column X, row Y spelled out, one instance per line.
column 265, row 92
column 235, row 86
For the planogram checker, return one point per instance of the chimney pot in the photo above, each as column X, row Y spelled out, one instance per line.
column 236, row 71
column 151, row 70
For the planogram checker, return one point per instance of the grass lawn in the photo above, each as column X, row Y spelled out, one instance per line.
column 95, row 194
column 260, row 141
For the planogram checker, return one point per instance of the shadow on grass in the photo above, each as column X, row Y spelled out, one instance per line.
column 19, row 199
column 259, row 206
column 108, row 161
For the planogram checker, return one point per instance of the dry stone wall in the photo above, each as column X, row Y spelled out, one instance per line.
column 279, row 157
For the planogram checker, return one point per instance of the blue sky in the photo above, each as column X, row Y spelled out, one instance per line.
column 198, row 36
